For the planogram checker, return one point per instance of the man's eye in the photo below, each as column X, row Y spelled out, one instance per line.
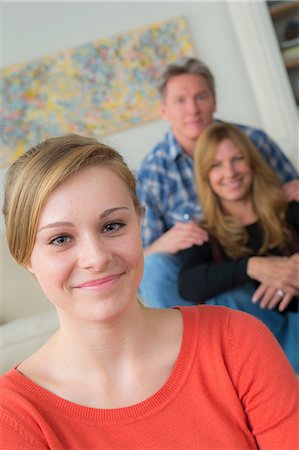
column 112, row 227
column 203, row 96
column 60, row 240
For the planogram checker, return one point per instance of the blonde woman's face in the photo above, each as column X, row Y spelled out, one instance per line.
column 230, row 176
column 88, row 254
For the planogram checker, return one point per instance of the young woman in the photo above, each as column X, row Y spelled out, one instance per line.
column 117, row 375
column 254, row 235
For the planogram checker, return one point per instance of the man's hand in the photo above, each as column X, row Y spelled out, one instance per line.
column 291, row 190
column 181, row 236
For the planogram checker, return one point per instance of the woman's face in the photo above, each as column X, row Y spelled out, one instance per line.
column 230, row 176
column 87, row 255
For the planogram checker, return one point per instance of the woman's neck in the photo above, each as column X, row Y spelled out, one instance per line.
column 108, row 368
column 99, row 344
column 242, row 211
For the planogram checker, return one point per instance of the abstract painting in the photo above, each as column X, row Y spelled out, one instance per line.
column 94, row 89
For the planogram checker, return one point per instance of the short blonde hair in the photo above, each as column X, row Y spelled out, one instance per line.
column 269, row 200
column 34, row 175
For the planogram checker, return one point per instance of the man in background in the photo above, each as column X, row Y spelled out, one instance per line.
column 166, row 185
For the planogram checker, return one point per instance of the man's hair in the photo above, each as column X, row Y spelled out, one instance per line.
column 186, row 66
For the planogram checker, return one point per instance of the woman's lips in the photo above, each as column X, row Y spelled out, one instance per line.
column 99, row 283
column 236, row 181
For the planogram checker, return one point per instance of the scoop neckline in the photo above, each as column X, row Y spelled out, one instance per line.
column 149, row 406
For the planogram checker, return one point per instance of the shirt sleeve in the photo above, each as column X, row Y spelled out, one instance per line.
column 293, row 215
column 14, row 435
column 265, row 383
column 272, row 154
column 149, row 193
column 200, row 278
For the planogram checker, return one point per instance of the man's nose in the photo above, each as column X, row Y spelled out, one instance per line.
column 193, row 106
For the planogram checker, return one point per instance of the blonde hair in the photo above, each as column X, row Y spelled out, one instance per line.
column 33, row 176
column 269, row 200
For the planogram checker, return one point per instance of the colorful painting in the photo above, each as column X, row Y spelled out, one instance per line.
column 95, row 89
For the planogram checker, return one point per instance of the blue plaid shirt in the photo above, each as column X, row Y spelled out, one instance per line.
column 166, row 185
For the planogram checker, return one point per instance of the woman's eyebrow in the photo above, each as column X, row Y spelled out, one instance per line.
column 55, row 224
column 112, row 210
column 104, row 214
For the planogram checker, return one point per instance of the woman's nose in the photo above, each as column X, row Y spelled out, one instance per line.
column 94, row 253
column 229, row 169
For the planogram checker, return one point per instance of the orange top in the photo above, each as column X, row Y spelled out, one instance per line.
column 231, row 388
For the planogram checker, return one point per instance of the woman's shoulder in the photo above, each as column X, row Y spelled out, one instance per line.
column 217, row 314
column 15, row 390
column 13, row 385
column 227, row 325
column 238, row 339
column 8, row 379
column 19, row 408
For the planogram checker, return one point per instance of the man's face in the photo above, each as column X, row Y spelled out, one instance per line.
column 188, row 106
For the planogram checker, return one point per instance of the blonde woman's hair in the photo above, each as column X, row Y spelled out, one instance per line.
column 33, row 176
column 269, row 200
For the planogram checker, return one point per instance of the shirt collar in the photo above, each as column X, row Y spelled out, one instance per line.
column 175, row 150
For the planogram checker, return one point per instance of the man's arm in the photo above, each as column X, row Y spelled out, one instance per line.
column 157, row 238
column 180, row 237
column 272, row 153
column 276, row 159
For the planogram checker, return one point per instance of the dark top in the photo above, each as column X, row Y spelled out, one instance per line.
column 201, row 278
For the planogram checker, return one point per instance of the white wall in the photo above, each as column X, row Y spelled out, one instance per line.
column 31, row 30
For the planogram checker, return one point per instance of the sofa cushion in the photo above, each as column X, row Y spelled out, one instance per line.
column 20, row 294
column 20, row 338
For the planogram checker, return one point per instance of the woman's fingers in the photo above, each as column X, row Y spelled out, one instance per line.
column 270, row 297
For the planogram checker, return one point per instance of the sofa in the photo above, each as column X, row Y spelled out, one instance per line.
column 27, row 318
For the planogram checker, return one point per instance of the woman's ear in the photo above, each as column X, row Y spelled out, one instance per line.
column 28, row 266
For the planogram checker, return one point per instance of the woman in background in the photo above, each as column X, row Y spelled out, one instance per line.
column 254, row 236
column 117, row 375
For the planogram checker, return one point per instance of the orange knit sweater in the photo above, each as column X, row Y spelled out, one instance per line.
column 231, row 388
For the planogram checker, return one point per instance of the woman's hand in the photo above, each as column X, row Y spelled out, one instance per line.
column 279, row 278
column 270, row 297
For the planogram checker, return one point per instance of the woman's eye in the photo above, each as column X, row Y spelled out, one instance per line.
column 60, row 240
column 239, row 158
column 215, row 164
column 112, row 227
